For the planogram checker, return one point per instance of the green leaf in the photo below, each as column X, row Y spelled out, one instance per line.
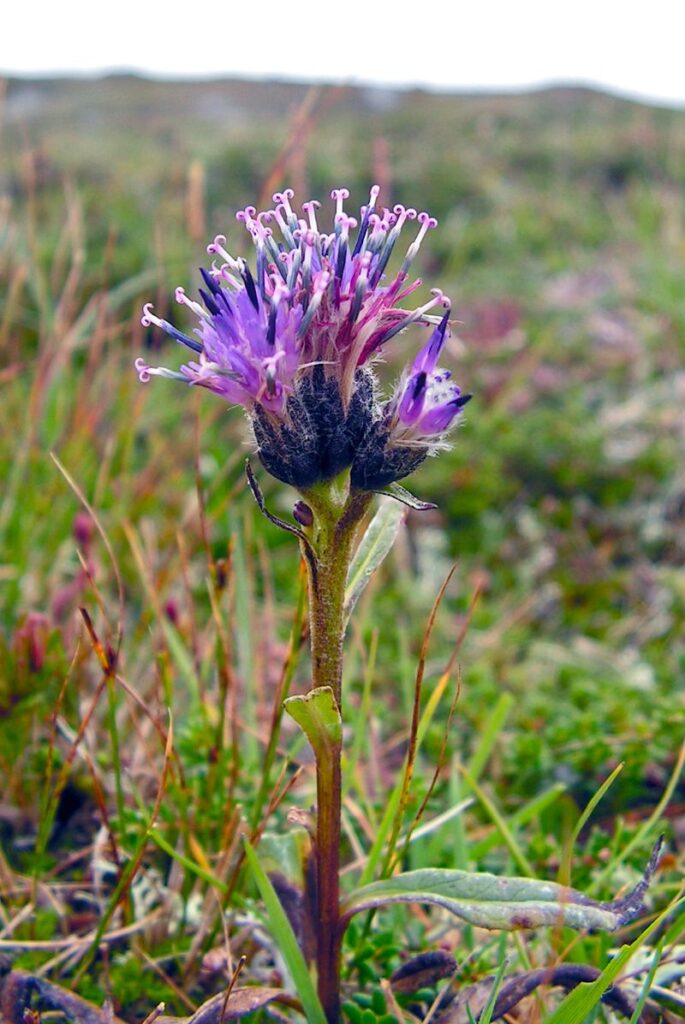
column 384, row 830
column 287, row 943
column 318, row 715
column 647, row 984
column 400, row 493
column 486, row 1016
column 528, row 812
column 490, row 736
column 376, row 543
column 564, row 874
column 579, row 1003
column 507, row 835
column 286, row 853
column 188, row 864
column 490, row 901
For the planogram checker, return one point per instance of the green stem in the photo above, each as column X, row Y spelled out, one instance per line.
column 337, row 514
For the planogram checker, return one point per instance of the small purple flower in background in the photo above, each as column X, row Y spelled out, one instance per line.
column 293, row 344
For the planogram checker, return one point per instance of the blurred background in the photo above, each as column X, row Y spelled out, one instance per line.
column 553, row 156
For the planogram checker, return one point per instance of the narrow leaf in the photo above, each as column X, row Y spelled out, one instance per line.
column 376, row 543
column 384, row 831
column 287, row 943
column 576, row 1006
column 564, row 874
column 177, row 649
column 507, row 835
column 486, row 1016
column 648, row 824
column 647, row 984
column 529, row 812
column 490, row 736
column 470, row 1001
column 400, row 493
column 490, row 901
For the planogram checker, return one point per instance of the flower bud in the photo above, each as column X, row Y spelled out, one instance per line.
column 302, row 513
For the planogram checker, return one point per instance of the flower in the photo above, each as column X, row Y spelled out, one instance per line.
column 293, row 344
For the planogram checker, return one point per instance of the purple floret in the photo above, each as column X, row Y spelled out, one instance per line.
column 292, row 343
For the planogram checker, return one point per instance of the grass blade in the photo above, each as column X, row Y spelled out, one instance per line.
column 287, row 943
column 578, row 1004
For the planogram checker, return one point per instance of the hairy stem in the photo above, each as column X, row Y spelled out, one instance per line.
column 337, row 514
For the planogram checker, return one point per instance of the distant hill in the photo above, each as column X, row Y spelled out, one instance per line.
column 248, row 129
column 216, row 101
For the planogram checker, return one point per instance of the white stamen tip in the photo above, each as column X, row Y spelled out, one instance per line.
column 143, row 370
column 217, row 245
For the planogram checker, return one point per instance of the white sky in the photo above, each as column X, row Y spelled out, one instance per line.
column 632, row 48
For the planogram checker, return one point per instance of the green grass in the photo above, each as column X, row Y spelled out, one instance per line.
column 133, row 756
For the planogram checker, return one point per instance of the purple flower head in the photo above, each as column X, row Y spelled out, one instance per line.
column 426, row 402
column 293, row 342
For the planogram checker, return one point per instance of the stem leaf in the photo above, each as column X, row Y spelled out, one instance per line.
column 376, row 543
column 400, row 493
column 318, row 715
column 490, row 901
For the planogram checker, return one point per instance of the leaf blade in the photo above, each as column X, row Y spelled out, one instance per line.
column 495, row 902
column 375, row 545
column 284, row 935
